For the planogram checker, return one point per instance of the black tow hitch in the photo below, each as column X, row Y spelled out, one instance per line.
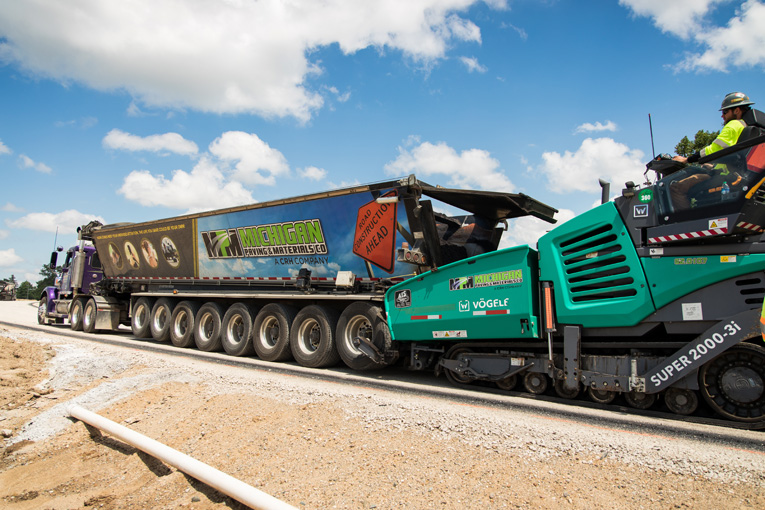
column 369, row 350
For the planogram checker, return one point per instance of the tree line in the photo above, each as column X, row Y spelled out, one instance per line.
column 703, row 138
column 27, row 290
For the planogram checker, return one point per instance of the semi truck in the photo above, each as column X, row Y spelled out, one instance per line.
column 654, row 296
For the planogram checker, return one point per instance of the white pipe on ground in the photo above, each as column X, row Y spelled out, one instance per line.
column 216, row 479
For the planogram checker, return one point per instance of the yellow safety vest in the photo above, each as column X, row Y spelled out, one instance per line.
column 727, row 137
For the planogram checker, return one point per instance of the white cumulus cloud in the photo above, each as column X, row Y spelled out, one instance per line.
column 65, row 221
column 227, row 56
column 471, row 168
column 204, row 188
column 27, row 162
column 254, row 161
column 9, row 258
column 596, row 158
column 472, row 64
column 589, row 127
column 167, row 142
column 9, row 207
column 528, row 229
column 678, row 17
column 233, row 161
column 313, row 173
column 739, row 42
column 4, row 148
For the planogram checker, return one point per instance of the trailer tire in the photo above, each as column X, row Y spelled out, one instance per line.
column 75, row 315
column 42, row 311
column 312, row 337
column 362, row 319
column 237, row 330
column 89, row 316
column 140, row 320
column 182, row 324
column 161, row 319
column 207, row 325
column 271, row 332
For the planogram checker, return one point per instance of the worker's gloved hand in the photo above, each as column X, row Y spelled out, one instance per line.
column 664, row 164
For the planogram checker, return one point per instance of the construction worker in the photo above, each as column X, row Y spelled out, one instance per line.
column 733, row 108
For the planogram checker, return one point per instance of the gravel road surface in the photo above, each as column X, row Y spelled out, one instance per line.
column 323, row 439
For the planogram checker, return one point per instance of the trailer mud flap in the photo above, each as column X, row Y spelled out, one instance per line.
column 710, row 344
column 108, row 312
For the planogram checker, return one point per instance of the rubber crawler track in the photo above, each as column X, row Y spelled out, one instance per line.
column 651, row 413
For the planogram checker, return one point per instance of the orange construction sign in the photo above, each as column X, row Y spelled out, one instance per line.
column 375, row 236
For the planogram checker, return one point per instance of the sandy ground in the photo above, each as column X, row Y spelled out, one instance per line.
column 318, row 444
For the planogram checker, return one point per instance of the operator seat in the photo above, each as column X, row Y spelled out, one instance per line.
column 755, row 125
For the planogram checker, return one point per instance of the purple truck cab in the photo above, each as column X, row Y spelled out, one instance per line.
column 81, row 268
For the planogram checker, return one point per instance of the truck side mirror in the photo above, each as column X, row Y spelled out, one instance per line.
column 53, row 259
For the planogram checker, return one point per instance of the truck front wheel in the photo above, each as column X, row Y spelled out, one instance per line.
column 366, row 321
column 42, row 311
column 141, row 319
column 312, row 338
column 75, row 315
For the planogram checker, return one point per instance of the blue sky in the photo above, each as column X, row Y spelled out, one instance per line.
column 146, row 109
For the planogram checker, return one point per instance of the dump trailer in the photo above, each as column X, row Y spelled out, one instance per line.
column 652, row 297
column 248, row 278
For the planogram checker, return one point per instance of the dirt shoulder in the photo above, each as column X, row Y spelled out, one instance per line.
column 312, row 444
